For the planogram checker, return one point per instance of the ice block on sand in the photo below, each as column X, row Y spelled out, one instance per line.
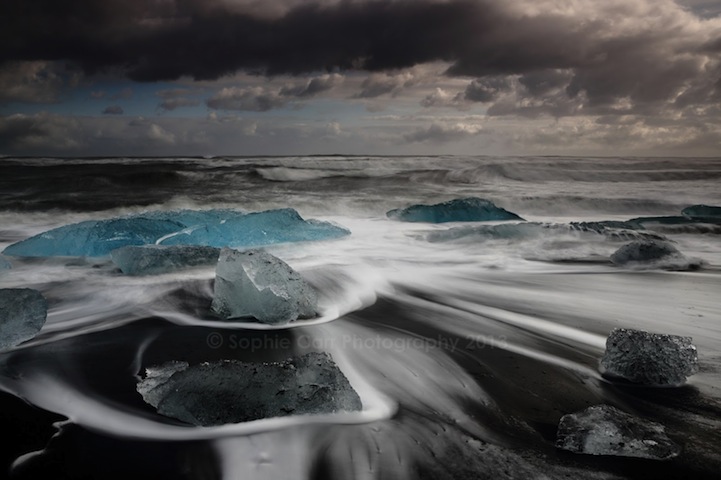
column 256, row 284
column 23, row 312
column 605, row 430
column 649, row 358
column 231, row 391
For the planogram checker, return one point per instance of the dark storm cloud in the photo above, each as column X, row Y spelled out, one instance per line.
column 202, row 39
column 205, row 39
column 598, row 54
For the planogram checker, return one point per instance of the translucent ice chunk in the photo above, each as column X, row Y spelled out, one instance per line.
column 605, row 430
column 5, row 263
column 156, row 259
column 255, row 229
column 93, row 238
column 155, row 386
column 703, row 213
column 649, row 358
column 23, row 312
column 470, row 209
column 230, row 391
column 216, row 228
column 259, row 285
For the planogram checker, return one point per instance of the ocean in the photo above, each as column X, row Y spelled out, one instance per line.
column 466, row 342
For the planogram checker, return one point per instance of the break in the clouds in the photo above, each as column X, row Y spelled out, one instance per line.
column 601, row 66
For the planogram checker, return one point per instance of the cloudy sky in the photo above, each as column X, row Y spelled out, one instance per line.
column 279, row 77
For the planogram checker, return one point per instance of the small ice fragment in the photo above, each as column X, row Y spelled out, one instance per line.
column 231, row 391
column 470, row 209
column 606, row 430
column 259, row 285
column 156, row 386
column 649, row 358
column 157, row 259
column 23, row 312
column 5, row 263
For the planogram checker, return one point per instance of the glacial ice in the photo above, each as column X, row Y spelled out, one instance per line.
column 231, row 391
column 5, row 263
column 470, row 209
column 703, row 213
column 644, row 251
column 606, row 430
column 157, row 259
column 93, row 238
column 649, row 358
column 256, row 229
column 23, row 312
column 216, row 228
column 259, row 285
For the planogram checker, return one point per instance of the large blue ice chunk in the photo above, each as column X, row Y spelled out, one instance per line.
column 703, row 213
column 606, row 430
column 470, row 209
column 157, row 259
column 649, row 358
column 231, row 391
column 93, row 238
column 256, row 284
column 216, row 228
column 23, row 312
column 255, row 229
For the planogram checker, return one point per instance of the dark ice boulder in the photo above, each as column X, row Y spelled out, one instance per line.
column 703, row 213
column 23, row 312
column 604, row 226
column 256, row 284
column 605, row 430
column 231, row 391
column 666, row 220
column 93, row 238
column 256, row 229
column 504, row 231
column 645, row 251
column 157, row 259
column 459, row 210
column 649, row 358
